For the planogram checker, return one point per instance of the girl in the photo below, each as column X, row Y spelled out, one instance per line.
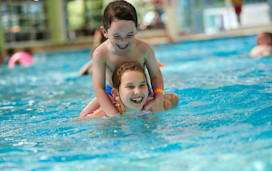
column 130, row 92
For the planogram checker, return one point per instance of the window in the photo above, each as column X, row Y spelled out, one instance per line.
column 84, row 17
column 24, row 20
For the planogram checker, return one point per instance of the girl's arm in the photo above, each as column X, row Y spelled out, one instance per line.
column 170, row 100
column 96, row 114
column 99, row 111
column 93, row 105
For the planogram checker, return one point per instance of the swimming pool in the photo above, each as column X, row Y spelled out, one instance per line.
column 222, row 122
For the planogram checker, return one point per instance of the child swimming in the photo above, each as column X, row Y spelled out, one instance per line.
column 120, row 27
column 263, row 46
column 130, row 92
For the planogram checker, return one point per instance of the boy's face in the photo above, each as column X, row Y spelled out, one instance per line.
column 263, row 39
column 133, row 90
column 121, row 34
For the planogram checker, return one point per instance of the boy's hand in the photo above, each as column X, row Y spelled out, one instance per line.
column 156, row 105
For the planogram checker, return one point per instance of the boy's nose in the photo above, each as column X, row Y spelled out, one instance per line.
column 123, row 40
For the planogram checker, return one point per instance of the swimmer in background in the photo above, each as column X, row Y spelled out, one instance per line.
column 23, row 58
column 130, row 92
column 263, row 47
column 120, row 27
column 2, row 57
column 98, row 39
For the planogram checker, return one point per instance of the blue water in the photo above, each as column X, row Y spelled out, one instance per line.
column 222, row 122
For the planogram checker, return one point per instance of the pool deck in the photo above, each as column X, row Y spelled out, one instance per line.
column 154, row 37
column 161, row 37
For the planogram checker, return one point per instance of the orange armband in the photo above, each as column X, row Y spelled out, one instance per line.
column 158, row 90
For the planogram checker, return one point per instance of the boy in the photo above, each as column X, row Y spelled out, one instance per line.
column 120, row 28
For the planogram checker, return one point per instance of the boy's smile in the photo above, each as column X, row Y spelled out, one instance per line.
column 121, row 33
column 120, row 47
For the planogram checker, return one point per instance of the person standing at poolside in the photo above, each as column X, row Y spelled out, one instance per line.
column 263, row 46
column 238, row 8
column 120, row 26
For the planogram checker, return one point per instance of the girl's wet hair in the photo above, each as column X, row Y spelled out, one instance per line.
column 119, row 10
column 119, row 71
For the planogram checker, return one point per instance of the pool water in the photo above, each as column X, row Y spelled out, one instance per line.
column 222, row 122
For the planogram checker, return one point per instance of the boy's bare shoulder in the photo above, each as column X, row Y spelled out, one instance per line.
column 142, row 43
column 261, row 51
column 100, row 51
column 144, row 46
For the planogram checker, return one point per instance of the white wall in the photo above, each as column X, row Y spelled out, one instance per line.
column 220, row 19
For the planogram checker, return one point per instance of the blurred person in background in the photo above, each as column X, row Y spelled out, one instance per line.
column 98, row 39
column 263, row 46
column 23, row 57
column 237, row 4
column 158, row 4
column 2, row 57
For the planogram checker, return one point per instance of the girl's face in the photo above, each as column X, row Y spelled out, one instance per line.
column 121, row 34
column 133, row 90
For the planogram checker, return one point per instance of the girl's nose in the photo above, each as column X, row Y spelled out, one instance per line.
column 137, row 90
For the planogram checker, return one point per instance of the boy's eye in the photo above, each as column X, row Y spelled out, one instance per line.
column 130, row 87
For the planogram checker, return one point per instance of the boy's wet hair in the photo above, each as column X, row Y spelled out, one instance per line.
column 119, row 10
column 119, row 71
column 268, row 34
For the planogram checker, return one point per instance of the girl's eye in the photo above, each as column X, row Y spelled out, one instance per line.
column 143, row 85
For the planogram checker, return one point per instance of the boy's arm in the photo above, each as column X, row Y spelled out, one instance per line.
column 156, row 105
column 99, row 66
column 254, row 52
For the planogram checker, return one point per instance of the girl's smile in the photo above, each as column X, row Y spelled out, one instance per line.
column 137, row 100
column 133, row 90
